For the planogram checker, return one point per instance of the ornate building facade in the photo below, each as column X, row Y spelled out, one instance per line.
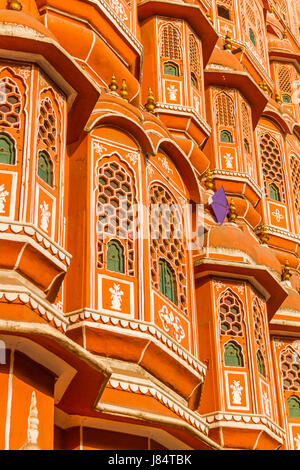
column 129, row 318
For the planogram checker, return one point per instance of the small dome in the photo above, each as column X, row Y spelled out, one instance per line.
column 232, row 237
column 12, row 17
column 292, row 302
column 225, row 59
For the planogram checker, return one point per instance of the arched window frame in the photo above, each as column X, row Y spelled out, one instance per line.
column 274, row 192
column 172, row 66
column 48, row 179
column 293, row 411
column 12, row 149
column 239, row 354
column 166, row 269
column 194, row 80
column 226, row 136
column 120, row 249
column 170, row 42
column 260, row 363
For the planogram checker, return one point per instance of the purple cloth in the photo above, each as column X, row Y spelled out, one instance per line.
column 220, row 205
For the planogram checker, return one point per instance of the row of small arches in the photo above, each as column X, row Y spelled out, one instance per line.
column 8, row 157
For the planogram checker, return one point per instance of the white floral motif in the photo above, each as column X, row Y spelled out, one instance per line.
column 171, row 324
column 119, row 9
column 278, row 216
column 196, row 104
column 266, row 403
column 228, row 157
column 236, row 392
column 3, row 195
column 116, row 297
column 297, row 441
column 45, row 216
column 99, row 148
column 172, row 92
column 219, row 285
column 165, row 164
column 133, row 157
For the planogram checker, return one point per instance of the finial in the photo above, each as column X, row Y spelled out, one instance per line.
column 278, row 99
column 209, row 181
column 208, row 16
column 33, row 426
column 271, row 8
column 232, row 216
column 123, row 91
column 150, row 105
column 228, row 43
column 14, row 5
column 286, row 273
column 113, row 86
column 263, row 235
column 284, row 34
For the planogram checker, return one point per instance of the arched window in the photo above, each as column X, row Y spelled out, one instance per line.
column 194, row 54
column 260, row 363
column 252, row 37
column 115, row 257
column 224, row 107
column 44, row 170
column 293, row 407
column 286, row 98
column 271, row 164
column 115, row 216
column 233, row 356
column 194, row 80
column 226, row 136
column 170, row 42
column 167, row 281
column 290, row 368
column 260, row 336
column 224, row 12
column 10, row 103
column 274, row 192
column 47, row 124
column 171, row 69
column 7, row 150
column 167, row 243
column 230, row 312
column 295, row 172
column 246, row 146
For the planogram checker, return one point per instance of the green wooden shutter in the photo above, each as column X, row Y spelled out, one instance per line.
column 44, row 168
column 114, row 257
column 166, row 281
column 232, row 355
column 7, row 152
column 294, row 407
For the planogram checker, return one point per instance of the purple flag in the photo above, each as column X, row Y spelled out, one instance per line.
column 219, row 205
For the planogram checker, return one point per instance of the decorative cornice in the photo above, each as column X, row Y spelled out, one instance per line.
column 24, row 297
column 140, row 328
column 179, row 409
column 178, row 108
column 31, row 232
column 226, row 174
column 236, row 420
column 277, row 232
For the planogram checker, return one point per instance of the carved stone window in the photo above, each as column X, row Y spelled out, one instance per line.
column 271, row 164
column 10, row 103
column 167, row 243
column 115, row 215
column 230, row 313
column 170, row 42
